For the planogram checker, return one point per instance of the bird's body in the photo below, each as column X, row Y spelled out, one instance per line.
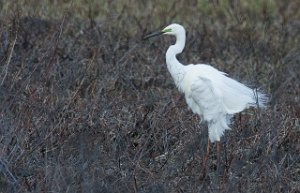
column 214, row 96
column 209, row 92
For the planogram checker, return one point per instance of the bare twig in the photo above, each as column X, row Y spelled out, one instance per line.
column 4, row 169
column 9, row 59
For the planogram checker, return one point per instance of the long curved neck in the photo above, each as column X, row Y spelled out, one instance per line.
column 176, row 69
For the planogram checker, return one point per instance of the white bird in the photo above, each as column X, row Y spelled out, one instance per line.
column 208, row 92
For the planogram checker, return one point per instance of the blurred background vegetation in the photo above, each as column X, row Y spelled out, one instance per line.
column 87, row 106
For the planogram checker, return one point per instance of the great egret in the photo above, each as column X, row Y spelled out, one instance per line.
column 208, row 91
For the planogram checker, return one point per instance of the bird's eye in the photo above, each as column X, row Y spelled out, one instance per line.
column 167, row 30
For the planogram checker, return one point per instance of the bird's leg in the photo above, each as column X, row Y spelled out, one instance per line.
column 225, row 154
column 218, row 157
column 205, row 158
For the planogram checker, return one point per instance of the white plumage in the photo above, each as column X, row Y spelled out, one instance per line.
column 208, row 91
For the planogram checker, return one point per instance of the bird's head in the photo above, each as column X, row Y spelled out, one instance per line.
column 172, row 29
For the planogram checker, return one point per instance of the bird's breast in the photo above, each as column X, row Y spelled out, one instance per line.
column 187, row 82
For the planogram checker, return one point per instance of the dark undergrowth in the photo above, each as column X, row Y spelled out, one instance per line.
column 87, row 106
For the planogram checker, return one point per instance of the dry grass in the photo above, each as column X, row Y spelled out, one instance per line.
column 86, row 106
